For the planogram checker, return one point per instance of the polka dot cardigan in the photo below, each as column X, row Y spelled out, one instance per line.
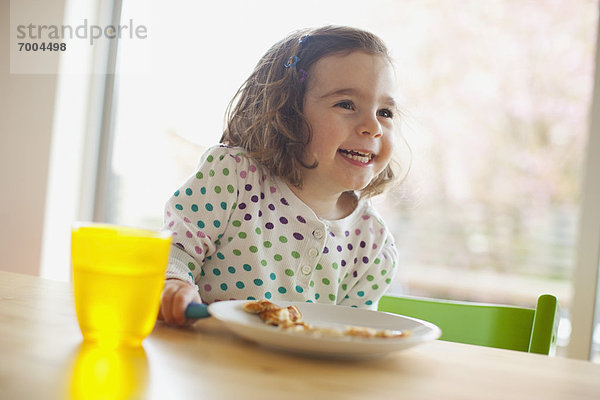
column 239, row 233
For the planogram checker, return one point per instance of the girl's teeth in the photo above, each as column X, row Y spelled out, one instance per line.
column 362, row 159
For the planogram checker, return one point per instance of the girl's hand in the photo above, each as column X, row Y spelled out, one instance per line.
column 176, row 296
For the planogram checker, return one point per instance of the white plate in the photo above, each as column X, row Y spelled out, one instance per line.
column 251, row 327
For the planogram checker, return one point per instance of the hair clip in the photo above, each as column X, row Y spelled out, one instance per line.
column 293, row 60
column 303, row 75
column 303, row 39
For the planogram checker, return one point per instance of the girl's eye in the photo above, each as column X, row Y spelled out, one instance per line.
column 385, row 113
column 347, row 105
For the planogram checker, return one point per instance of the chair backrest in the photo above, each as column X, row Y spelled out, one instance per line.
column 506, row 327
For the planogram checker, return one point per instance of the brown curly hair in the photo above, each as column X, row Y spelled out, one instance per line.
column 265, row 117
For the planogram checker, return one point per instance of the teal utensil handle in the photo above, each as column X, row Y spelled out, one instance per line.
column 196, row 311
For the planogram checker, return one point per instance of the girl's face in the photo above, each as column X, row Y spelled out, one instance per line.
column 350, row 107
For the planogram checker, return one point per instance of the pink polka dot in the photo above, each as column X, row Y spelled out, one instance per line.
column 207, row 287
column 189, row 234
column 171, row 224
column 366, row 217
column 238, row 159
column 200, row 234
column 374, row 246
column 272, row 189
column 357, row 231
column 186, row 219
column 252, row 168
column 168, row 213
column 243, row 174
column 198, row 250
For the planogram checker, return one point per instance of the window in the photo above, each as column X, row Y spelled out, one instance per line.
column 496, row 98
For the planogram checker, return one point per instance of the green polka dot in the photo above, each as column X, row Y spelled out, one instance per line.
column 210, row 158
column 194, row 207
column 283, row 239
column 370, row 278
column 225, row 171
column 325, row 281
column 344, row 286
column 268, row 295
column 237, row 252
column 272, row 276
column 231, row 269
column 334, row 265
column 236, row 223
column 179, row 207
column 289, row 272
column 388, row 281
column 258, row 282
column 267, row 244
column 221, row 157
column 199, row 175
column 299, row 289
column 242, row 235
column 319, row 267
column 312, row 284
column 223, row 286
column 253, row 249
column 383, row 272
column 278, row 257
column 223, row 205
column 229, row 239
column 191, row 266
column 216, row 271
column 375, row 287
column 188, row 191
column 230, row 188
column 211, row 172
column 239, row 284
column 247, row 267
column 377, row 261
column 217, row 189
column 295, row 254
column 360, row 293
column 263, row 263
column 332, row 297
column 281, row 290
column 258, row 231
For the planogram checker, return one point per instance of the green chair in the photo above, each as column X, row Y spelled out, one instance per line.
column 505, row 327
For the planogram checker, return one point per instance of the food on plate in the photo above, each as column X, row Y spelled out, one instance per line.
column 290, row 318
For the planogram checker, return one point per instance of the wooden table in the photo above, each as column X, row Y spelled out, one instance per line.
column 42, row 357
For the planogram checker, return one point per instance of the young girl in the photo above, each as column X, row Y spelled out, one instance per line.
column 280, row 210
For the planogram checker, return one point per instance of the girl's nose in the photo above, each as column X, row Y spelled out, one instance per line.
column 369, row 125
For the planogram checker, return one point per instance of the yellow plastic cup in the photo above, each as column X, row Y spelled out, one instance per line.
column 118, row 277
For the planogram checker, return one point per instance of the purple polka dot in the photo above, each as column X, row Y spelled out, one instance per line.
column 248, row 187
column 339, row 248
column 366, row 260
column 180, row 246
column 301, row 219
column 259, row 213
column 347, row 233
column 254, row 198
column 271, row 207
column 269, row 225
column 283, row 220
column 247, row 217
column 363, row 244
column 298, row 236
column 262, row 196
column 242, row 206
column 284, row 201
column 343, row 263
column 355, row 260
column 332, row 234
column 355, row 274
column 325, row 250
column 350, row 246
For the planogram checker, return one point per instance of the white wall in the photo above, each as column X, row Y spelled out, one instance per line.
column 26, row 118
